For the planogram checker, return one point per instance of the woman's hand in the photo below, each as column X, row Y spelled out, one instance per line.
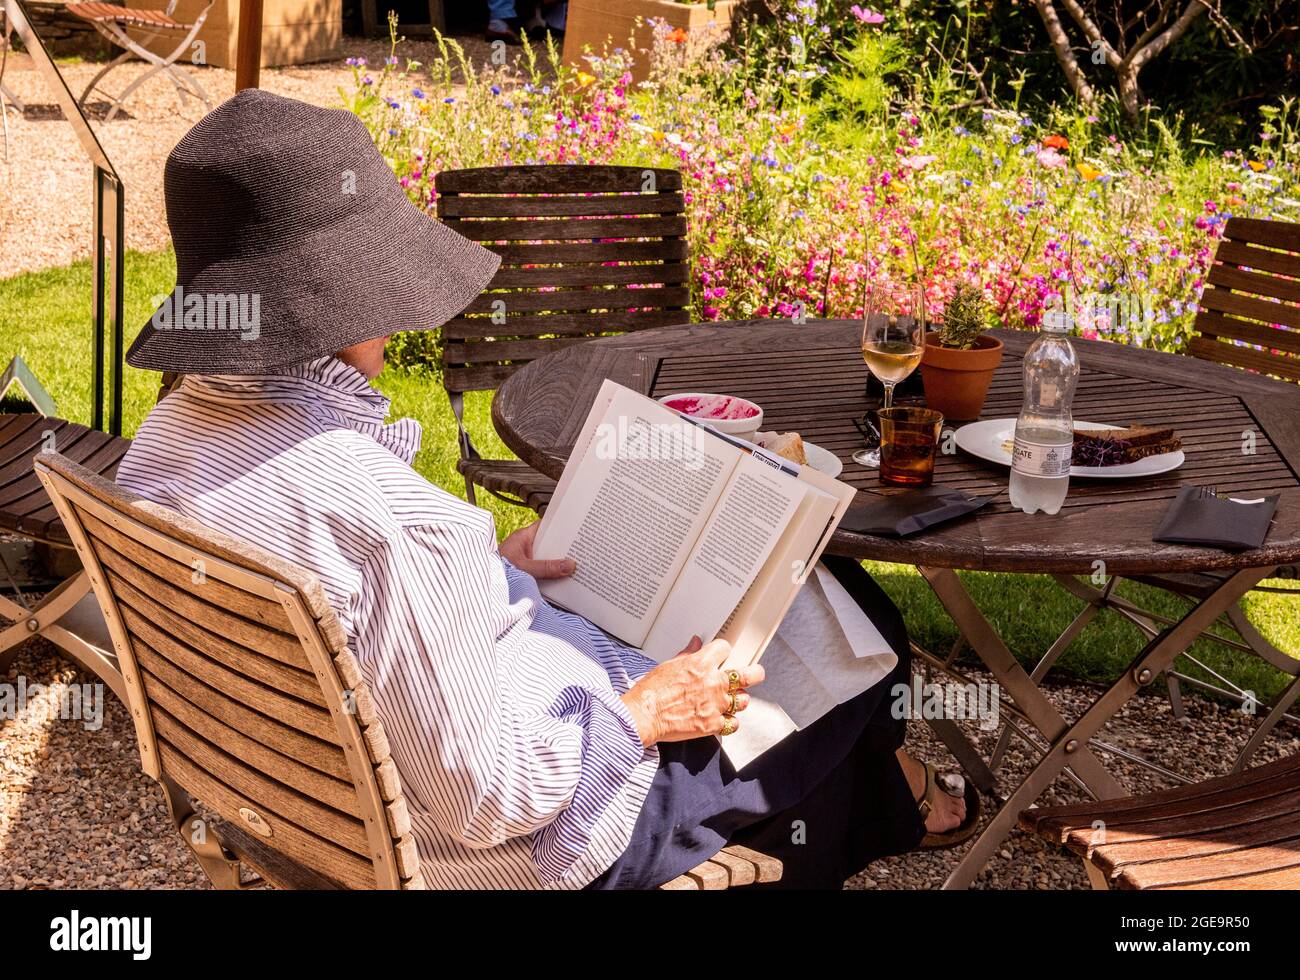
column 518, row 549
column 687, row 696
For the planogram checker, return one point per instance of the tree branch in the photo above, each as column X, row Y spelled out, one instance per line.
column 1091, row 31
column 1177, row 29
column 1064, row 54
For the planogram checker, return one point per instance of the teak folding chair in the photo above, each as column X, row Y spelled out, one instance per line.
column 1248, row 317
column 586, row 251
column 244, row 694
column 67, row 616
column 6, row 94
column 114, row 22
column 1240, row 831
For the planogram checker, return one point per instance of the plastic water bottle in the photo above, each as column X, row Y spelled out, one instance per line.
column 1040, row 461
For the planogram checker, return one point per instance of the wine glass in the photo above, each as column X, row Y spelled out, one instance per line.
column 892, row 344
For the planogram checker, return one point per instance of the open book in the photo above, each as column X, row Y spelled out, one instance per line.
column 679, row 531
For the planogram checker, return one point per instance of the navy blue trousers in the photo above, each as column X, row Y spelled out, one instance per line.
column 827, row 800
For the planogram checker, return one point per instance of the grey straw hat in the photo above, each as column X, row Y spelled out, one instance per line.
column 294, row 240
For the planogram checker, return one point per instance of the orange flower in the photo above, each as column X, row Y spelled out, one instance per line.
column 1087, row 172
column 1057, row 142
column 1255, row 165
column 1236, row 202
column 678, row 36
column 584, row 79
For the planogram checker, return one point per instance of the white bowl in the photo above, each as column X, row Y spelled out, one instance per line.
column 741, row 428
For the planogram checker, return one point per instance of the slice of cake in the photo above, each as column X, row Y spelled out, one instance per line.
column 1114, row 447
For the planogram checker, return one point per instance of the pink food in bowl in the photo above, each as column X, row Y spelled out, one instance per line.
column 713, row 406
column 728, row 414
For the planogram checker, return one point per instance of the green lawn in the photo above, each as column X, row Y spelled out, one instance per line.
column 46, row 318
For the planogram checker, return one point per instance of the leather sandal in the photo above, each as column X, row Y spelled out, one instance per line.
column 953, row 785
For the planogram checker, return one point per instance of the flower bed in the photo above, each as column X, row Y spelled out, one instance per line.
column 813, row 158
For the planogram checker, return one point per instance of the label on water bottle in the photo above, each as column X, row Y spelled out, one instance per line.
column 1041, row 458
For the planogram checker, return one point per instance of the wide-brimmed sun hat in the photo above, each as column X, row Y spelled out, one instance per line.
column 294, row 240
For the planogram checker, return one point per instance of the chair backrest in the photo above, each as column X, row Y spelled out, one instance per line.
column 1252, row 297
column 585, row 251
column 240, row 683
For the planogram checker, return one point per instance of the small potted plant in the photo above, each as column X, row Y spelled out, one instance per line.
column 960, row 358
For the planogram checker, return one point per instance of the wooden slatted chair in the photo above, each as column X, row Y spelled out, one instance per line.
column 67, row 616
column 1249, row 312
column 244, row 694
column 1248, row 317
column 1240, row 831
column 115, row 23
column 731, row 867
column 7, row 97
column 586, row 251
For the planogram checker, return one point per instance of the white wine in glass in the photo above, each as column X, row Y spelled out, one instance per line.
column 892, row 345
column 891, row 360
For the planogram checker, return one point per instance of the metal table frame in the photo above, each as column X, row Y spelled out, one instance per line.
column 1069, row 745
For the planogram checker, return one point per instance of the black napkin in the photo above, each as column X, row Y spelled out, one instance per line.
column 1199, row 516
column 901, row 514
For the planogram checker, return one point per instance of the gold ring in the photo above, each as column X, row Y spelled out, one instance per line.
column 729, row 724
column 731, row 703
column 733, row 681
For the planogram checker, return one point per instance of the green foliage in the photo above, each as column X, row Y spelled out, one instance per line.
column 857, row 95
column 417, row 351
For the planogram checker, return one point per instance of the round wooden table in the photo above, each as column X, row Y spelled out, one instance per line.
column 1240, row 432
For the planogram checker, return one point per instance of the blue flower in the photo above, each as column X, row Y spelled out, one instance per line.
column 496, row 89
column 417, row 93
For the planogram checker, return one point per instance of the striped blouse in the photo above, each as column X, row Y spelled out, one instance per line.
column 521, row 766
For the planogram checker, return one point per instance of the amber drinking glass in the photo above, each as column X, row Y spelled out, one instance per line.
column 908, row 440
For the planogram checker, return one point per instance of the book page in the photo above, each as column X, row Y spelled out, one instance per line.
column 749, row 519
column 631, row 509
column 751, row 626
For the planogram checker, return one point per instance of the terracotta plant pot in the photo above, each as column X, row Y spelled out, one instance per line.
column 957, row 381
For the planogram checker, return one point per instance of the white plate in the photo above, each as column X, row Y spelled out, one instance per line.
column 985, row 440
column 823, row 459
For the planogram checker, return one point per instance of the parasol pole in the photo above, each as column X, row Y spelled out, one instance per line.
column 248, row 53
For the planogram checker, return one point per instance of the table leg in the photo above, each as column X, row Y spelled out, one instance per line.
column 1006, row 670
column 966, row 754
column 1041, row 668
column 1159, row 653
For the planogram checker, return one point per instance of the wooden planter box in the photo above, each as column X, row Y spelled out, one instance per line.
column 294, row 32
column 601, row 25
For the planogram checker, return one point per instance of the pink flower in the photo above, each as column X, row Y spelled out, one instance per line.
column 867, row 16
column 919, row 161
column 1052, row 160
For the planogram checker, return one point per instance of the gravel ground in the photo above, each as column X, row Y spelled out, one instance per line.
column 76, row 811
column 46, row 184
